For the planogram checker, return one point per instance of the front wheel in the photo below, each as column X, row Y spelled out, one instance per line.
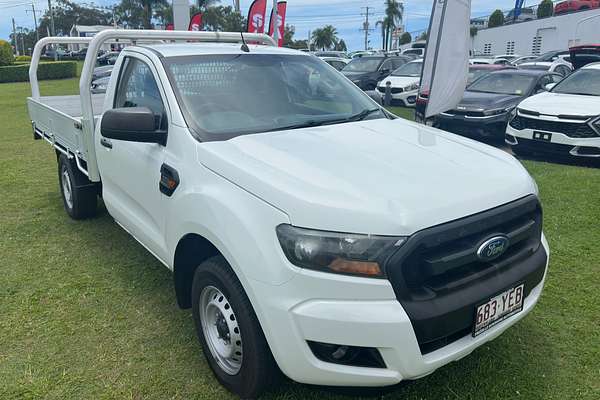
column 232, row 339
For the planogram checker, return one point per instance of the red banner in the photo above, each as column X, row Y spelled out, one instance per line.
column 195, row 22
column 281, row 8
column 256, row 16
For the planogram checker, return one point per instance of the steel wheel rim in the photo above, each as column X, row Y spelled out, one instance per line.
column 221, row 330
column 67, row 190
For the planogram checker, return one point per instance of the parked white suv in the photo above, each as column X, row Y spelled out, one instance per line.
column 564, row 121
column 403, row 83
column 308, row 229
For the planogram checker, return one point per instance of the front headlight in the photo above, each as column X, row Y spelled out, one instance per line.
column 414, row 86
column 595, row 124
column 343, row 253
column 498, row 111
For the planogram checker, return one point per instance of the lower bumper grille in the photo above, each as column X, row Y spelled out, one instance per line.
column 571, row 129
column 439, row 280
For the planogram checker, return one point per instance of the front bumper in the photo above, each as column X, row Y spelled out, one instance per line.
column 406, row 99
column 315, row 306
column 486, row 126
column 559, row 144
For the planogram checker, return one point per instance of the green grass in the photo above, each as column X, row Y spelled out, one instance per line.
column 87, row 313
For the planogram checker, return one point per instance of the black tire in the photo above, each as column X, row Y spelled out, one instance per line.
column 82, row 202
column 258, row 369
column 520, row 151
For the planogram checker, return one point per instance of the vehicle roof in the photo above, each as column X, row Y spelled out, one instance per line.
column 516, row 71
column 328, row 58
column 594, row 65
column 491, row 67
column 203, row 48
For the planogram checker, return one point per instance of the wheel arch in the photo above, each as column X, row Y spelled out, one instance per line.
column 191, row 251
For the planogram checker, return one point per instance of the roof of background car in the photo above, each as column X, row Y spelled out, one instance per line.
column 517, row 71
column 594, row 65
column 491, row 67
column 203, row 48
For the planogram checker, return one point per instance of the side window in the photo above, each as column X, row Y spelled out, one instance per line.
column 386, row 66
column 137, row 88
column 397, row 63
column 556, row 78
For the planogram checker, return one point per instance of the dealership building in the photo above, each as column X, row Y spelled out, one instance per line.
column 540, row 35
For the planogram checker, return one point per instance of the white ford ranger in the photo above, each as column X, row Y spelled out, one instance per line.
column 309, row 230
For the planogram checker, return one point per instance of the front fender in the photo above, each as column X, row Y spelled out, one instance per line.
column 240, row 225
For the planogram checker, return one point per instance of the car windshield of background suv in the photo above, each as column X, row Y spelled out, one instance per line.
column 584, row 82
column 410, row 69
column 363, row 65
column 511, row 84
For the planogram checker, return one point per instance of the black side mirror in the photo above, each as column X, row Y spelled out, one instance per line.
column 133, row 124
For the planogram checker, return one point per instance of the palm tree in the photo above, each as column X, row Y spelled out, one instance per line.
column 394, row 12
column 384, row 24
column 325, row 38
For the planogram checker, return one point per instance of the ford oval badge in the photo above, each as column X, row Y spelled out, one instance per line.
column 492, row 248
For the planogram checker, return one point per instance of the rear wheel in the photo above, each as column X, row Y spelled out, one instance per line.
column 232, row 339
column 78, row 193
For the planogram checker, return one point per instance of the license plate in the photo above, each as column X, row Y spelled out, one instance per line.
column 497, row 309
column 544, row 136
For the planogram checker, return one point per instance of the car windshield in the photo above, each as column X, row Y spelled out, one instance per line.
column 502, row 83
column 363, row 64
column 584, row 81
column 223, row 96
column 409, row 69
column 475, row 74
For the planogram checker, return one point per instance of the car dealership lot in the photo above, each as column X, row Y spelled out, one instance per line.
column 99, row 321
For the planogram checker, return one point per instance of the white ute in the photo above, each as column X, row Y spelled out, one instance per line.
column 309, row 230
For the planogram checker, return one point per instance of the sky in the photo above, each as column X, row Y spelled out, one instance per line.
column 306, row 15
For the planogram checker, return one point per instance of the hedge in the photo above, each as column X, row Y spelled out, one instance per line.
column 46, row 70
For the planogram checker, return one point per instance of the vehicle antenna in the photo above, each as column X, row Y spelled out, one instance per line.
column 245, row 47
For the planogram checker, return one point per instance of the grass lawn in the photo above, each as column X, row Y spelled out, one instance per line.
column 87, row 313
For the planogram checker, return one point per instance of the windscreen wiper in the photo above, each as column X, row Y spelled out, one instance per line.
column 311, row 123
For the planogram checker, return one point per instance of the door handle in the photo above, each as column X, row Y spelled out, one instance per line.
column 169, row 180
column 106, row 143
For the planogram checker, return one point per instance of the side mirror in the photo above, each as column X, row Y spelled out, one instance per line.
column 132, row 124
column 549, row 86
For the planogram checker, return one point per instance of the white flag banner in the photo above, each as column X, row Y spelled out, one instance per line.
column 446, row 62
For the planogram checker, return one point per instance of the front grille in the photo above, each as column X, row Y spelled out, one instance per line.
column 571, row 129
column 393, row 90
column 439, row 279
column 469, row 113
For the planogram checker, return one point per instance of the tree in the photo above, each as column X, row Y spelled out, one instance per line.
column 384, row 30
column 6, row 53
column 473, row 31
column 138, row 13
column 67, row 14
column 496, row 19
column 325, row 38
column 423, row 35
column 341, row 46
column 394, row 12
column 288, row 35
column 545, row 9
column 405, row 38
column 223, row 18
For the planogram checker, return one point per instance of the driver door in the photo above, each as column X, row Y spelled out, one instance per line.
column 131, row 171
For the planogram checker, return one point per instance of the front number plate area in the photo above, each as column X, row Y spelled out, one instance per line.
column 497, row 309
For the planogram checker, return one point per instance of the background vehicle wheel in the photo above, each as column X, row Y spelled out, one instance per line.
column 520, row 151
column 78, row 193
column 232, row 340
